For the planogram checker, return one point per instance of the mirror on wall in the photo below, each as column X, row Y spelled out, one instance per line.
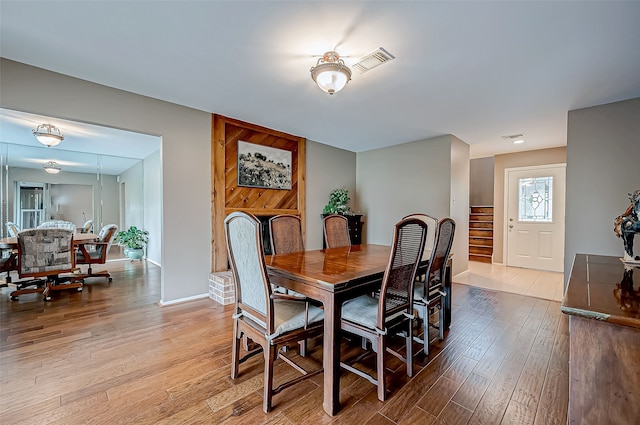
column 95, row 173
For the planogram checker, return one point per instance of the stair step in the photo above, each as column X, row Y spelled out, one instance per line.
column 480, row 241
column 481, row 233
column 481, row 217
column 482, row 209
column 485, row 233
column 480, row 258
column 480, row 224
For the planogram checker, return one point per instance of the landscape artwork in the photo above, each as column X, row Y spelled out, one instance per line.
column 263, row 166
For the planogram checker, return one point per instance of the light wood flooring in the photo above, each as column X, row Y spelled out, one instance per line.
column 112, row 355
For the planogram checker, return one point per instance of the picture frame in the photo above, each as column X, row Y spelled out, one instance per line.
column 264, row 166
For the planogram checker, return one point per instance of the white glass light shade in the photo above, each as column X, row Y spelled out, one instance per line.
column 48, row 135
column 330, row 73
column 331, row 81
column 52, row 167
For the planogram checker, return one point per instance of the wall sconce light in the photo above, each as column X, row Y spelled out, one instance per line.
column 48, row 135
column 330, row 73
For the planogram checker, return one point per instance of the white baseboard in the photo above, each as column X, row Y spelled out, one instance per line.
column 183, row 300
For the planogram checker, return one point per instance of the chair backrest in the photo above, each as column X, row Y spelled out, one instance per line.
column 286, row 234
column 440, row 254
column 45, row 252
column 57, row 224
column 432, row 229
column 396, row 293
column 12, row 229
column 253, row 290
column 107, row 233
column 87, row 226
column 336, row 231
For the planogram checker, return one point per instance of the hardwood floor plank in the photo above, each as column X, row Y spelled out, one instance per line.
column 403, row 401
column 111, row 355
column 517, row 414
column 552, row 409
column 471, row 391
column 438, row 396
column 418, row 416
column 453, row 414
column 529, row 386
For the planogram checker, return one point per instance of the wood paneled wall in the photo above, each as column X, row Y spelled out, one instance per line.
column 227, row 196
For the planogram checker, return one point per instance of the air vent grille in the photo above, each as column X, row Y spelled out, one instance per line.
column 513, row 136
column 372, row 60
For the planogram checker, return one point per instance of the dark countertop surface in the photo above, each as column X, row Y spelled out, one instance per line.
column 602, row 288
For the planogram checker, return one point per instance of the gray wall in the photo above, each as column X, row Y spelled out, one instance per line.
column 132, row 179
column 328, row 168
column 603, row 153
column 152, row 193
column 186, row 139
column 422, row 176
column 513, row 160
column 481, row 182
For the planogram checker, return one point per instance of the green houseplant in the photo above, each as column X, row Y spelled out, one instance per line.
column 134, row 241
column 338, row 200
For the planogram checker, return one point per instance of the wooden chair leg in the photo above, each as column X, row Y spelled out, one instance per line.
column 382, row 348
column 235, row 351
column 441, row 318
column 269, row 358
column 425, row 330
column 302, row 348
column 409, row 348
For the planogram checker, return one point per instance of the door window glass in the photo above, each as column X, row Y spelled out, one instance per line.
column 535, row 199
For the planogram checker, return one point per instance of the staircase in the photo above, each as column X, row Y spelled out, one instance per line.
column 481, row 234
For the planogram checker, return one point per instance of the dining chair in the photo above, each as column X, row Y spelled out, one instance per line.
column 376, row 319
column 270, row 319
column 96, row 252
column 12, row 229
column 57, row 224
column 8, row 264
column 285, row 232
column 336, row 231
column 87, row 227
column 432, row 226
column 430, row 293
column 45, row 254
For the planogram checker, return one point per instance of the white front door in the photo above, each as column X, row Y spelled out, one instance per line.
column 535, row 217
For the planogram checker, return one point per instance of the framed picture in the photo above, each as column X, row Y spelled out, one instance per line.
column 263, row 166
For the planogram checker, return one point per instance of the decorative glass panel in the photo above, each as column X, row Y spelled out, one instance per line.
column 535, row 199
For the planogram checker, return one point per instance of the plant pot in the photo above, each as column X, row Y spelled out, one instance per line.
column 134, row 253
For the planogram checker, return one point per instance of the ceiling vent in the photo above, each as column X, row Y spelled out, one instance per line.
column 372, row 60
column 513, row 136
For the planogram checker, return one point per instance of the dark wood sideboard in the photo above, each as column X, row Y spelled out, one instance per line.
column 604, row 341
column 355, row 229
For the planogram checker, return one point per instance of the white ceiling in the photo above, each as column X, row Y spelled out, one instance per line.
column 86, row 148
column 478, row 70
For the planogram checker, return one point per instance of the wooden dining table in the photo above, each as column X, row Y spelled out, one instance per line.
column 333, row 276
column 78, row 239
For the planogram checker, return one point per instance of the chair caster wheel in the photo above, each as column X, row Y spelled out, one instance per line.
column 110, row 280
column 47, row 298
column 79, row 289
column 14, row 298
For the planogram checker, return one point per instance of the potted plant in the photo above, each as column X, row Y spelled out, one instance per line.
column 134, row 241
column 338, row 200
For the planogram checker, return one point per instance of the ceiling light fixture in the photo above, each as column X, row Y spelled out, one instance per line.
column 330, row 73
column 48, row 135
column 52, row 167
